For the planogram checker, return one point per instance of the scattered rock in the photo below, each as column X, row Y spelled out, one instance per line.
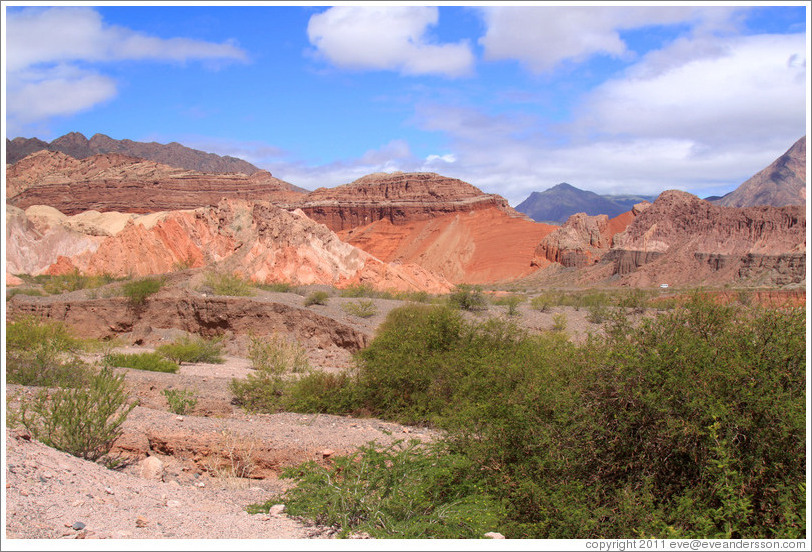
column 493, row 535
column 77, row 526
column 152, row 468
column 276, row 510
column 141, row 521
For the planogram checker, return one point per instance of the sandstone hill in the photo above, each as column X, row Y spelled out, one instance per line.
column 253, row 240
column 782, row 183
column 443, row 224
column 173, row 154
column 397, row 197
column 116, row 182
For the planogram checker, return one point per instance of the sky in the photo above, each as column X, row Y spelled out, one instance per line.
column 614, row 99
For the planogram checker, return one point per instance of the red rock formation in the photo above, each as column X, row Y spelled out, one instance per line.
column 114, row 182
column 397, row 197
column 477, row 247
column 255, row 240
column 583, row 239
column 681, row 239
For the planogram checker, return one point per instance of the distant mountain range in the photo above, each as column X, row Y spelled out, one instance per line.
column 556, row 205
column 173, row 154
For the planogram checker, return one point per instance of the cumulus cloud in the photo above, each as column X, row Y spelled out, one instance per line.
column 387, row 38
column 48, row 51
column 543, row 37
column 751, row 88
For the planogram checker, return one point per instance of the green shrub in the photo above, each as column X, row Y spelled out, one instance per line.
column 43, row 353
column 23, row 291
column 152, row 362
column 271, row 357
column 597, row 314
column 84, row 421
column 180, row 401
column 512, row 303
column 468, row 298
column 689, row 425
column 277, row 355
column 360, row 308
column 404, row 491
column 559, row 322
column 316, row 298
column 542, row 302
column 137, row 291
column 73, row 281
column 193, row 349
column 228, row 284
column 359, row 290
column 279, row 287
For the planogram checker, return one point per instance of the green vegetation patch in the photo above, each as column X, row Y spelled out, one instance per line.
column 137, row 291
column 193, row 349
column 690, row 424
column 152, row 362
column 228, row 284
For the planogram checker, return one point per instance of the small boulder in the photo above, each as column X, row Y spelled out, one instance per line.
column 152, row 468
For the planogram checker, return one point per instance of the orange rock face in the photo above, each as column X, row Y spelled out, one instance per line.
column 480, row 246
column 254, row 240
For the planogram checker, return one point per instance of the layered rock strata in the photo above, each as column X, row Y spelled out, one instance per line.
column 114, row 182
column 683, row 239
column 398, row 198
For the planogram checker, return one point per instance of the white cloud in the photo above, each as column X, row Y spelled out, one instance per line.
column 45, row 49
column 544, row 36
column 446, row 158
column 752, row 88
column 386, row 38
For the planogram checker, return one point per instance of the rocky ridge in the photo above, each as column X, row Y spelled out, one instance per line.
column 782, row 183
column 253, row 240
column 683, row 239
column 115, row 182
column 173, row 154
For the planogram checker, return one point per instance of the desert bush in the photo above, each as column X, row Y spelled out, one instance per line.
column 43, row 353
column 228, row 284
column 542, row 302
column 277, row 355
column 468, row 298
column 402, row 491
column 23, row 291
column 74, row 281
column 511, row 302
column 152, row 362
column 279, row 287
column 180, row 401
column 359, row 290
column 559, row 322
column 688, row 425
column 82, row 421
column 597, row 314
column 234, row 456
column 413, row 296
column 137, row 291
column 271, row 357
column 316, row 298
column 360, row 308
column 193, row 349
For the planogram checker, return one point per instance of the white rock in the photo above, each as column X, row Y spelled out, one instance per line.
column 494, row 535
column 152, row 468
column 276, row 510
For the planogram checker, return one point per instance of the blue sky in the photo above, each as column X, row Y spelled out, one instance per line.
column 613, row 99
